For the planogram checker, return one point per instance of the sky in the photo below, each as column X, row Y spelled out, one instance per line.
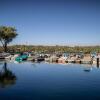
column 53, row 22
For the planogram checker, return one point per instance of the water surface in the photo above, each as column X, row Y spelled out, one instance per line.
column 44, row 81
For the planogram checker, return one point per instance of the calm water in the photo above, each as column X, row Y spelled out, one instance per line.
column 43, row 81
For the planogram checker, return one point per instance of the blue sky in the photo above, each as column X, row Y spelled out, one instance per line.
column 53, row 22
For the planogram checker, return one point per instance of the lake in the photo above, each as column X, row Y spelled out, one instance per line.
column 49, row 81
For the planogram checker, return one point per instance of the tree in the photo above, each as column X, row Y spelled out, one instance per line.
column 7, row 34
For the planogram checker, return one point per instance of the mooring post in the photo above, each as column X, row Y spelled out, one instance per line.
column 98, row 62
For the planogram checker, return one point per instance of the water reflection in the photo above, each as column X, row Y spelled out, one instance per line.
column 34, row 65
column 88, row 69
column 97, row 65
column 7, row 77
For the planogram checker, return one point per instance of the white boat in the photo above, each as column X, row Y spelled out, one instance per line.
column 5, row 55
column 14, row 57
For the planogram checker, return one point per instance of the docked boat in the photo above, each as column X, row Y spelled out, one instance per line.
column 4, row 56
column 63, row 58
column 53, row 59
column 87, row 60
column 71, row 59
column 21, row 57
column 39, row 59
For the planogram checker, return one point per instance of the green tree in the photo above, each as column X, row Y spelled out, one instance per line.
column 7, row 34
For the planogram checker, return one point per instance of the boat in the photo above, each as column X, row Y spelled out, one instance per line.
column 63, row 58
column 87, row 60
column 8, row 57
column 4, row 56
column 93, row 55
column 53, row 59
column 39, row 58
column 21, row 57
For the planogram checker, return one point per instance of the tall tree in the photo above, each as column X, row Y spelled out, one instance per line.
column 7, row 34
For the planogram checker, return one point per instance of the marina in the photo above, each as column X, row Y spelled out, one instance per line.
column 50, row 50
column 25, row 56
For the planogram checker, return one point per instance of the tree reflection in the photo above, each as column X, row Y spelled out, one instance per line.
column 6, row 76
